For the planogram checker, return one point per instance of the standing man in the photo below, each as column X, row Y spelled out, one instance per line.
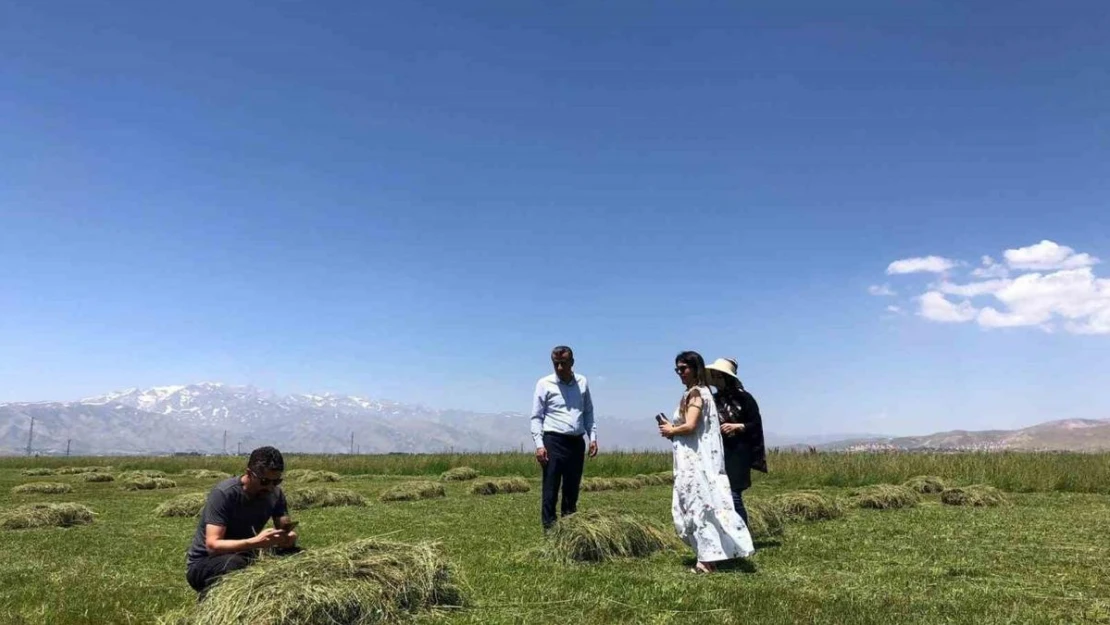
column 562, row 413
column 232, row 530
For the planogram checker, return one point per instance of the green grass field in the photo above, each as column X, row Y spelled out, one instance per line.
column 1043, row 559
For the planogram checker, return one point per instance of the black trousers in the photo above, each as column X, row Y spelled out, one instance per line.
column 566, row 456
column 203, row 573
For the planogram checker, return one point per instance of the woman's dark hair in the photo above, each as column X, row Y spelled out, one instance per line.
column 695, row 362
column 266, row 459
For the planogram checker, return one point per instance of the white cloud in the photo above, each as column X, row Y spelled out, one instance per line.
column 883, row 290
column 990, row 269
column 1046, row 256
column 973, row 289
column 926, row 264
column 897, row 310
column 935, row 307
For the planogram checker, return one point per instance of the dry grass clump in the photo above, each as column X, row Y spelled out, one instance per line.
column 188, row 505
column 310, row 475
column 38, row 471
column 886, row 497
column 459, row 474
column 765, row 520
column 807, row 506
column 78, row 470
column 357, row 583
column 147, row 483
column 45, row 515
column 206, row 474
column 925, row 484
column 411, row 491
column 977, row 495
column 152, row 473
column 97, row 477
column 598, row 536
column 592, row 484
column 666, row 476
column 45, row 488
column 501, row 486
column 302, row 498
column 654, row 479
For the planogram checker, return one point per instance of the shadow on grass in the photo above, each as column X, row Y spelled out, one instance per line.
column 733, row 567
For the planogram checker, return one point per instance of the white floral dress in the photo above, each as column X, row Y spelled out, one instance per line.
column 702, row 503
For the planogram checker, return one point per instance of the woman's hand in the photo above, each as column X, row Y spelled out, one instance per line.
column 730, row 429
column 666, row 430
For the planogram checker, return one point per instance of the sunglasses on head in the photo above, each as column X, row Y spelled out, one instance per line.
column 265, row 481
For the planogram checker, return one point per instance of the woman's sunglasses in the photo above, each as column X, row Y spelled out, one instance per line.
column 681, row 368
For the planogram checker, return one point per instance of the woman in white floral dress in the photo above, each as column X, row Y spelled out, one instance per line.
column 704, row 516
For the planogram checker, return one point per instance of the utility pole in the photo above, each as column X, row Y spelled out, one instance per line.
column 358, row 450
column 31, row 436
column 352, row 443
column 239, row 448
column 68, row 441
column 225, row 442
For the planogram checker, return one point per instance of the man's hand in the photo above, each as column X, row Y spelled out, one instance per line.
column 268, row 538
column 288, row 540
column 593, row 449
column 541, row 456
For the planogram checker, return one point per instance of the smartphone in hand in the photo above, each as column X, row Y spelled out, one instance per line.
column 660, row 419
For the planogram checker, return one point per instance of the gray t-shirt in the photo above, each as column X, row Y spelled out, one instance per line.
column 243, row 516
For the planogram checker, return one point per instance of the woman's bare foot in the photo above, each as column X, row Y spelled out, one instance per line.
column 704, row 568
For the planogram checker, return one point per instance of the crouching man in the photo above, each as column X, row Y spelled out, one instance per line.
column 232, row 526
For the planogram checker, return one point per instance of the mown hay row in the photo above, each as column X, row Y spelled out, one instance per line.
column 147, row 483
column 654, row 479
column 206, row 474
column 37, row 515
column 412, row 491
column 976, row 495
column 925, row 484
column 357, row 583
column 459, row 474
column 303, row 498
column 78, row 470
column 599, row 536
column 38, row 471
column 44, row 488
column 96, row 477
column 187, row 505
column 765, row 520
column 807, row 506
column 886, row 497
column 500, row 487
column 151, row 473
column 309, row 475
column 593, row 484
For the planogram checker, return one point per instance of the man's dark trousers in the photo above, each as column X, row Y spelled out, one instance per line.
column 203, row 573
column 566, row 455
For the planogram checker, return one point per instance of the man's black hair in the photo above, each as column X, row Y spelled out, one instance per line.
column 266, row 459
column 562, row 349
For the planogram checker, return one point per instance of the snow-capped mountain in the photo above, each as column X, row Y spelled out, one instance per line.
column 194, row 417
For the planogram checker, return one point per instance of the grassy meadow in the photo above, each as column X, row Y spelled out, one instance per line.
column 1041, row 558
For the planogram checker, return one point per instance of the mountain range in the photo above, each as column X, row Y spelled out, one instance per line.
column 1088, row 435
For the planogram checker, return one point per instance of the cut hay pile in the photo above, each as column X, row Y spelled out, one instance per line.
column 666, row 476
column 655, row 479
column 45, row 515
column 302, row 498
column 459, row 474
column 886, row 497
column 45, row 488
column 96, row 477
column 977, row 495
column 309, row 475
column 765, row 520
column 500, row 487
column 593, row 484
column 598, row 536
column 412, row 491
column 78, row 470
column 147, row 483
column 38, row 472
column 206, row 474
column 126, row 475
column 925, row 484
column 188, row 505
column 807, row 506
column 357, row 583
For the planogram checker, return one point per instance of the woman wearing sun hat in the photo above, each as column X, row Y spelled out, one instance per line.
column 741, row 429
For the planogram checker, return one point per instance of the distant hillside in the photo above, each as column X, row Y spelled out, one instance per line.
column 1087, row 435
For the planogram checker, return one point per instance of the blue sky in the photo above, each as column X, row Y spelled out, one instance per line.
column 417, row 200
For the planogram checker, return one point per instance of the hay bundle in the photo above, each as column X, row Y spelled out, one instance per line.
column 151, row 473
column 356, row 583
column 598, row 536
column 303, row 498
column 653, row 479
column 977, row 495
column 459, row 474
column 96, row 477
column 188, row 505
column 925, row 484
column 593, row 484
column 206, row 474
column 78, row 470
column 666, row 476
column 886, row 497
column 500, row 487
column 309, row 475
column 46, row 515
column 147, row 483
column 38, row 471
column 413, row 491
column 45, row 488
column 807, row 506
column 765, row 520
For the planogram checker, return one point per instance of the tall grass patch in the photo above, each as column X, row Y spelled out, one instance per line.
column 318, row 497
column 976, row 495
column 37, row 515
column 187, row 505
column 459, row 474
column 501, row 486
column 413, row 491
column 886, row 497
column 42, row 488
column 601, row 535
column 362, row 582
